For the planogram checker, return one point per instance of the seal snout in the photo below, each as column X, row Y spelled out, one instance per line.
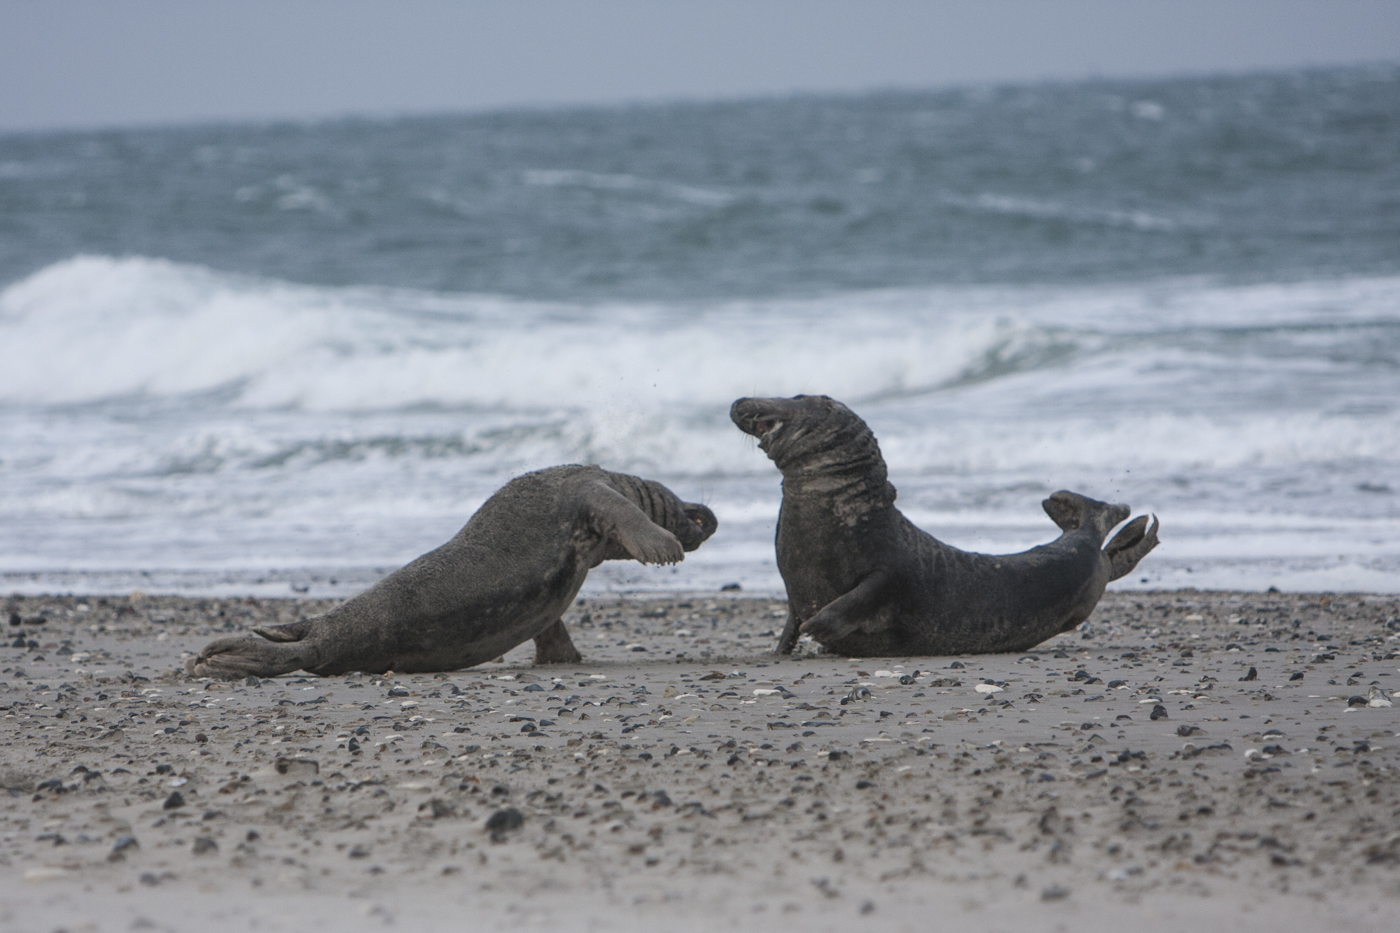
column 703, row 519
column 747, row 413
column 756, row 417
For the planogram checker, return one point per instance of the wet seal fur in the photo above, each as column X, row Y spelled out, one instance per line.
column 865, row 581
column 508, row 576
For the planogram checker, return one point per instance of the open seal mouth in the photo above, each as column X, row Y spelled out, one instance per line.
column 765, row 430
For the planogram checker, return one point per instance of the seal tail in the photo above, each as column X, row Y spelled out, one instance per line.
column 235, row 658
column 1130, row 545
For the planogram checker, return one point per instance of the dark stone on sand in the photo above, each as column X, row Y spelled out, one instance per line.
column 1159, row 712
column 504, row 821
column 297, row 767
column 204, row 845
column 121, row 847
column 175, row 801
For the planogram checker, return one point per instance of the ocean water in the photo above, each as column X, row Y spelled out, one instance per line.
column 282, row 358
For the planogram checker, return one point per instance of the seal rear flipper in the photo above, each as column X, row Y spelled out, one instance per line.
column 1130, row 545
column 1066, row 509
column 292, row 631
column 1070, row 510
column 554, row 646
column 235, row 658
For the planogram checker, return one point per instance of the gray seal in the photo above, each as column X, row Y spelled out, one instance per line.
column 865, row 581
column 506, row 577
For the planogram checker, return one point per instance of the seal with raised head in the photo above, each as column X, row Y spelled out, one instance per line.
column 506, row 577
column 864, row 581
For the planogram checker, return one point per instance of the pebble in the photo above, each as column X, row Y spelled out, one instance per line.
column 504, row 821
column 1004, row 748
column 121, row 847
column 297, row 767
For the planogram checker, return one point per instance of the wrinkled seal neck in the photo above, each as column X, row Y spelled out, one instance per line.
column 847, row 466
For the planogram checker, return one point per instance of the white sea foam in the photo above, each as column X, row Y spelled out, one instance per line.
column 163, row 415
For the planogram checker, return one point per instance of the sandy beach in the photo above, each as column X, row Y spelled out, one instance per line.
column 1186, row 760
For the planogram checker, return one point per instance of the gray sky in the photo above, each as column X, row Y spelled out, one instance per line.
column 82, row 63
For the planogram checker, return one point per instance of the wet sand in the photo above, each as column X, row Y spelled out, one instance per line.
column 1189, row 760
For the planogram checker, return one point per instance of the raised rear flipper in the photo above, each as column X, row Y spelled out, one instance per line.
column 1071, row 511
column 1130, row 545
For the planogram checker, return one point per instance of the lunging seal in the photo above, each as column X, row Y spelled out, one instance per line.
column 507, row 576
column 864, row 581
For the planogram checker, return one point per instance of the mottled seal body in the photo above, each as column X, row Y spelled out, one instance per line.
column 508, row 576
column 864, row 581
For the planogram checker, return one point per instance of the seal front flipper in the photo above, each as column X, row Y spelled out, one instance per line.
column 857, row 611
column 553, row 646
column 617, row 518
